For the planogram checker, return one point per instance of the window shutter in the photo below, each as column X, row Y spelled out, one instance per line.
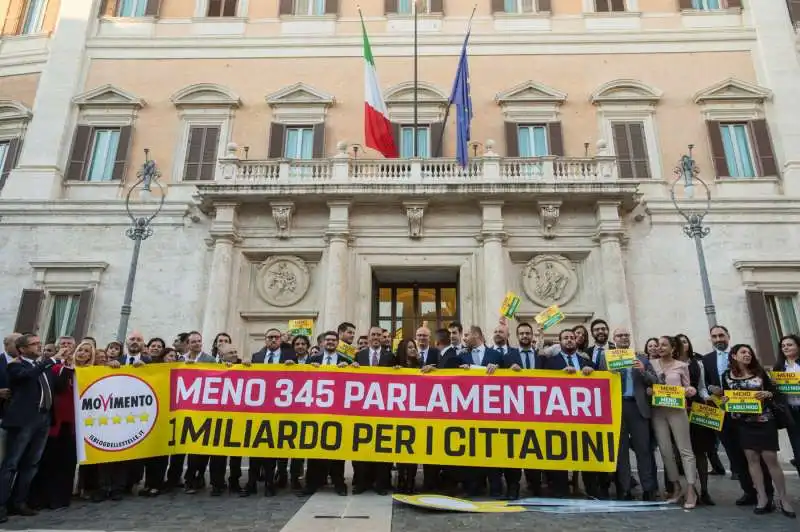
column 437, row 6
column 794, row 11
column 555, row 139
column 12, row 154
column 543, row 6
column 512, row 139
column 389, row 6
column 622, row 149
column 229, row 8
column 153, row 8
column 50, row 16
column 318, row 149
column 617, row 5
column 80, row 153
column 763, row 146
column 28, row 312
column 194, row 147
column 123, row 148
column 209, row 153
column 602, row 5
column 641, row 163
column 717, row 148
column 286, row 7
column 498, row 6
column 436, row 140
column 108, row 8
column 734, row 3
column 685, row 4
column 398, row 136
column 82, row 317
column 759, row 320
column 331, row 7
column 14, row 14
column 277, row 141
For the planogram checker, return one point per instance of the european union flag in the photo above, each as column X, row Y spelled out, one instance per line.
column 461, row 97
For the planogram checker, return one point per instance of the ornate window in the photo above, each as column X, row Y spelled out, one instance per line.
column 297, row 130
column 532, row 122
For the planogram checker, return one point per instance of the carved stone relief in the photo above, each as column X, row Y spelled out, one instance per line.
column 550, row 280
column 283, row 281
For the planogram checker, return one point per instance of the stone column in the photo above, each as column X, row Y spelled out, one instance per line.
column 494, row 263
column 610, row 234
column 336, row 281
column 39, row 172
column 778, row 69
column 218, row 296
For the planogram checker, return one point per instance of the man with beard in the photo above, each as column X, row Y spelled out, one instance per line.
column 599, row 331
column 715, row 364
column 347, row 332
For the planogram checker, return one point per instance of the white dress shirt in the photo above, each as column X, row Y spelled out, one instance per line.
column 330, row 359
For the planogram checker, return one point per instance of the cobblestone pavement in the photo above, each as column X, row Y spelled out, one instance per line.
column 202, row 513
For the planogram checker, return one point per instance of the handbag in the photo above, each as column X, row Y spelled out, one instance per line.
column 783, row 415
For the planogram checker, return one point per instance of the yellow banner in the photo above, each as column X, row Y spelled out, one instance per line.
column 536, row 420
column 787, row 382
column 620, row 358
column 669, row 396
column 706, row 416
column 742, row 402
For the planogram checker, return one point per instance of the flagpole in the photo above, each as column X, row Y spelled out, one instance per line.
column 449, row 104
column 416, row 78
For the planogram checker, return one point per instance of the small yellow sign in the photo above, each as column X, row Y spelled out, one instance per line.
column 787, row 382
column 707, row 416
column 346, row 350
column 298, row 327
column 549, row 317
column 669, row 396
column 742, row 402
column 451, row 504
column 620, row 358
column 398, row 337
column 510, row 305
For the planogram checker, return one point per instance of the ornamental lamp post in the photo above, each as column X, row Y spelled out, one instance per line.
column 140, row 229
column 694, row 210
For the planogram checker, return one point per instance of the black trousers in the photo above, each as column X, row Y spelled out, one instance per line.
column 52, row 485
column 267, row 465
column 154, row 470
column 135, row 473
column 431, row 477
column 87, row 478
column 533, row 479
column 512, row 476
column 175, row 470
column 196, row 465
column 217, row 467
column 738, row 460
column 368, row 475
column 476, row 478
column 112, row 477
column 317, row 472
column 559, row 483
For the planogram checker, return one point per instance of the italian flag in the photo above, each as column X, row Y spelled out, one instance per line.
column 377, row 128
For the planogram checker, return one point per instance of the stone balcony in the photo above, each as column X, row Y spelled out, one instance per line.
column 484, row 177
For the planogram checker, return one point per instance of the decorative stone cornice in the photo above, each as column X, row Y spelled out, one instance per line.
column 415, row 211
column 492, row 236
column 549, row 212
column 282, row 212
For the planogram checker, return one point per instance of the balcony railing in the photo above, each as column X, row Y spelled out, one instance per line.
column 344, row 169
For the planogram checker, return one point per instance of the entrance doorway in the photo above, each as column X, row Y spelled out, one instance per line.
column 407, row 305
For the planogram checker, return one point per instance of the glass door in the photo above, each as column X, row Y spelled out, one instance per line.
column 406, row 307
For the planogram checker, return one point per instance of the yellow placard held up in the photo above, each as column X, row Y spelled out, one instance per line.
column 669, row 396
column 549, row 317
column 707, row 416
column 510, row 305
column 398, row 337
column 347, row 350
column 304, row 327
column 742, row 402
column 787, row 382
column 617, row 359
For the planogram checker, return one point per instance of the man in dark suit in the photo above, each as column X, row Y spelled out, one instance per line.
column 599, row 330
column 273, row 352
column 715, row 364
column 635, row 429
column 373, row 475
column 569, row 360
column 27, row 423
column 429, row 356
column 478, row 354
column 318, row 470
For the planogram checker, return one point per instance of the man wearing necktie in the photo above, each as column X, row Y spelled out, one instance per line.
column 635, row 429
column 599, row 331
column 373, row 475
column 27, row 422
column 273, row 352
column 429, row 355
column 567, row 359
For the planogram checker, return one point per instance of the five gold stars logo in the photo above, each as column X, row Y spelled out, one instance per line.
column 131, row 418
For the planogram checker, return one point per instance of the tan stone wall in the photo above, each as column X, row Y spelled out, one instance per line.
column 19, row 88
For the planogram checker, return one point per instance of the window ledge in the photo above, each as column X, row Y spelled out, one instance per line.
column 27, row 36
column 218, row 20
column 309, row 18
column 421, row 16
column 536, row 15
column 82, row 183
column 711, row 12
column 612, row 14
column 149, row 19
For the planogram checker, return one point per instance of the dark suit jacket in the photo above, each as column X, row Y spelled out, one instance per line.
column 642, row 380
column 319, row 359
column 515, row 357
column 124, row 357
column 3, row 382
column 287, row 353
column 432, row 358
column 385, row 360
column 490, row 356
column 601, row 359
column 23, row 407
column 556, row 362
column 449, row 359
column 710, row 368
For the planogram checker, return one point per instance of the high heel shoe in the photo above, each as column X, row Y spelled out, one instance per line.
column 762, row 510
column 788, row 513
column 687, row 505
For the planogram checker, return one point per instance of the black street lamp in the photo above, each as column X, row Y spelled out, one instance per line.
column 694, row 211
column 140, row 230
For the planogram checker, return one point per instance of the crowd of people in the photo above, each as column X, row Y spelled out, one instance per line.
column 39, row 461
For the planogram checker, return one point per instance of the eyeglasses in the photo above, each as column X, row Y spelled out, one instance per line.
column 273, row 337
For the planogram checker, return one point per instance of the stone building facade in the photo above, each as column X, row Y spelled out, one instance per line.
column 273, row 209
